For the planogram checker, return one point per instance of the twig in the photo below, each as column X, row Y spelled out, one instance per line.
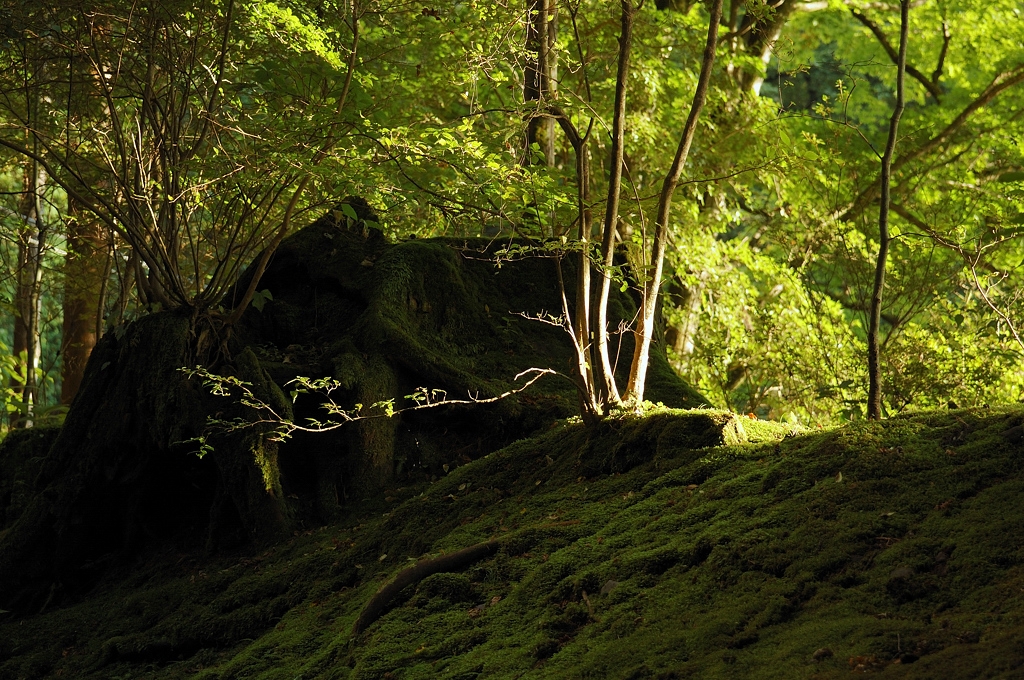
column 220, row 385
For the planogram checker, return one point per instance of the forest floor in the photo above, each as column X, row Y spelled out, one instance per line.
column 632, row 550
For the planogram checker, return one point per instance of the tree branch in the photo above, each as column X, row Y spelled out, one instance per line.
column 946, row 36
column 931, row 85
column 999, row 84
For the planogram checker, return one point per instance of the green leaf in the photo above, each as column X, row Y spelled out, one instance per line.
column 1011, row 177
column 349, row 211
column 259, row 299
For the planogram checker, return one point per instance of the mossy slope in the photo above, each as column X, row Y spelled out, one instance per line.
column 626, row 552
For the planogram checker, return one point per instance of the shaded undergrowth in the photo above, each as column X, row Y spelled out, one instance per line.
column 648, row 548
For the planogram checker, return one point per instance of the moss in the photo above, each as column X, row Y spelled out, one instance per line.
column 448, row 587
column 759, row 431
column 263, row 451
column 377, row 435
column 22, row 453
column 388, row 319
column 880, row 542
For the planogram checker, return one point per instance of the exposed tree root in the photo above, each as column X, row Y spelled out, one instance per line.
column 379, row 603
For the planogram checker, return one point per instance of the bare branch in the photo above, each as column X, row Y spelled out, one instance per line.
column 282, row 427
column 999, row 84
column 946, row 37
column 931, row 85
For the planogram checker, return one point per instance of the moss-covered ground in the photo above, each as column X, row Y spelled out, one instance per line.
column 661, row 547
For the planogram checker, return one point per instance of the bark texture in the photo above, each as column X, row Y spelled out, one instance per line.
column 85, row 275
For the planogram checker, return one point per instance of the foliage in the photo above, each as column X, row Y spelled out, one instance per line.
column 421, row 110
column 764, row 343
column 282, row 425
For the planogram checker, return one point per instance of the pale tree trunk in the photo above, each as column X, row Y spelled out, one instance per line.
column 579, row 329
column 27, row 296
column 609, row 392
column 755, row 33
column 644, row 332
column 85, row 274
column 581, row 324
column 682, row 338
column 875, row 317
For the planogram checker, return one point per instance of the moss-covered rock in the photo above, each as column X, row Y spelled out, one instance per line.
column 21, row 457
column 385, row 320
column 121, row 472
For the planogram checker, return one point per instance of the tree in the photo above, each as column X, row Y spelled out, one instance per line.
column 885, row 180
column 189, row 160
column 645, row 329
column 86, row 272
column 589, row 325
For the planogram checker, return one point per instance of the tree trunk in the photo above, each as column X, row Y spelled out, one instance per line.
column 875, row 318
column 606, row 380
column 27, row 296
column 681, row 338
column 540, row 84
column 581, row 325
column 85, row 273
column 649, row 305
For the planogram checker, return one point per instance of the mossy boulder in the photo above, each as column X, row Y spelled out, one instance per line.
column 122, row 472
column 386, row 319
column 338, row 301
column 22, row 453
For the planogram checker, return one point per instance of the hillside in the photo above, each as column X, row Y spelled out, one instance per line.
column 683, row 544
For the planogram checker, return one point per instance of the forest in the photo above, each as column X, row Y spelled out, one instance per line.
column 690, row 325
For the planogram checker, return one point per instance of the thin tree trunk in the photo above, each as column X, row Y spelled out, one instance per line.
column 875, row 318
column 606, row 380
column 681, row 338
column 84, row 278
column 581, row 316
column 22, row 306
column 539, row 78
column 581, row 322
column 649, row 306
column 27, row 295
